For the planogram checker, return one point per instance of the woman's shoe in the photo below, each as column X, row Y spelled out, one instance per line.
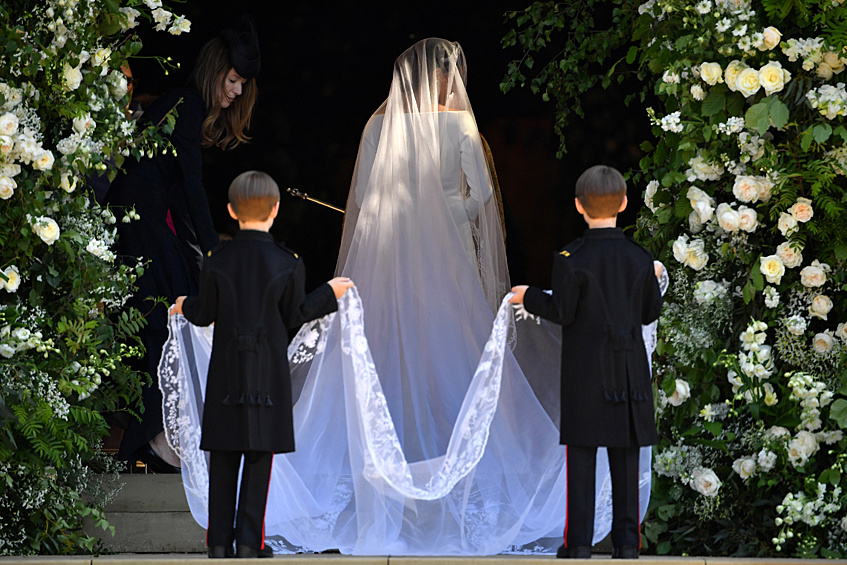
column 154, row 463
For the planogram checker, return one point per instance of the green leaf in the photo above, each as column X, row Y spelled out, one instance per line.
column 806, row 139
column 756, row 276
column 757, row 117
column 822, row 132
column 778, row 113
column 748, row 292
column 631, row 54
column 838, row 412
column 840, row 131
column 712, row 104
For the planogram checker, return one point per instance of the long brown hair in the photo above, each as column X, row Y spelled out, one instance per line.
column 223, row 127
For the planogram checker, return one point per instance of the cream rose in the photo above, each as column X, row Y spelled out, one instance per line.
column 802, row 210
column 730, row 75
column 746, row 188
column 770, row 38
column 43, row 161
column 73, row 77
column 747, row 82
column 823, row 342
column 773, row 268
column 765, row 187
column 84, row 123
column 8, row 124
column 696, row 256
column 681, row 394
column 702, row 203
column 813, row 276
column 13, row 279
column 820, row 306
column 772, row 78
column 801, row 447
column 7, row 187
column 841, row 332
column 711, row 73
column 706, row 482
column 835, row 62
column 67, row 183
column 787, row 224
column 790, row 253
column 728, row 219
column 749, row 219
column 47, row 229
column 824, row 71
column 745, row 467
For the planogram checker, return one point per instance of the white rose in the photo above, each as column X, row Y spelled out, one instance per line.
column 813, row 276
column 702, row 203
column 84, row 123
column 73, row 77
column 7, row 187
column 841, row 332
column 731, row 73
column 770, row 38
column 802, row 210
column 790, row 253
column 749, row 219
column 747, row 82
column 67, row 183
column 787, row 224
column 695, row 255
column 835, row 62
column 773, row 268
column 711, row 73
column 706, row 482
column 772, row 78
column 681, row 394
column 652, row 188
column 43, row 161
column 680, row 248
column 777, row 432
column 745, row 467
column 13, row 279
column 820, row 307
column 728, row 219
column 695, row 225
column 801, row 447
column 8, row 124
column 47, row 229
column 823, row 342
column 746, row 188
column 10, row 169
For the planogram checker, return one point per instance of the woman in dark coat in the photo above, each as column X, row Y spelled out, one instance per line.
column 213, row 110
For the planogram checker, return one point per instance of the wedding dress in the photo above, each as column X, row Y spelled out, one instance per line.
column 417, row 431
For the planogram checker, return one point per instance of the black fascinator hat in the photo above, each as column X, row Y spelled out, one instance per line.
column 242, row 41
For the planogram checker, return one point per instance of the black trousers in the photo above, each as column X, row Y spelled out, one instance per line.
column 579, row 516
column 247, row 526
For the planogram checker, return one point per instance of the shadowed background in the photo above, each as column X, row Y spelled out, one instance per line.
column 325, row 69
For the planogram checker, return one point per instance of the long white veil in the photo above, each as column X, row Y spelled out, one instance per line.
column 417, row 431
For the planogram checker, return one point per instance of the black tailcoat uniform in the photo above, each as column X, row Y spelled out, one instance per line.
column 604, row 289
column 253, row 290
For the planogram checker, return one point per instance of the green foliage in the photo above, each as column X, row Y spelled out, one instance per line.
column 65, row 338
column 745, row 186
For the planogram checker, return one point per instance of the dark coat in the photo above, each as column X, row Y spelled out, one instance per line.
column 253, row 290
column 604, row 289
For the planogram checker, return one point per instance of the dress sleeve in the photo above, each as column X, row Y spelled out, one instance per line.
column 560, row 307
column 202, row 310
column 297, row 307
column 193, row 201
column 474, row 166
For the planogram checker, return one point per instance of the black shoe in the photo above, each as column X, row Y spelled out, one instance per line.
column 245, row 551
column 220, row 551
column 266, row 551
column 625, row 552
column 576, row 552
column 154, row 463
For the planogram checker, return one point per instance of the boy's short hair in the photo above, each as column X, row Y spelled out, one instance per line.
column 253, row 195
column 601, row 190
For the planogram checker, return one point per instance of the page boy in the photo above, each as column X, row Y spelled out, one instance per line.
column 252, row 289
column 604, row 289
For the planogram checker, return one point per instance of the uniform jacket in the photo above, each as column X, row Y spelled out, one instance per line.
column 253, row 290
column 604, row 289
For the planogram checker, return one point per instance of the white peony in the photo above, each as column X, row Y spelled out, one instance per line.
column 814, row 275
column 728, row 219
column 802, row 210
column 749, row 219
column 746, row 188
column 790, row 253
column 823, row 342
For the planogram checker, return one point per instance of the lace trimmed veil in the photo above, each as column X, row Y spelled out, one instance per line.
column 417, row 431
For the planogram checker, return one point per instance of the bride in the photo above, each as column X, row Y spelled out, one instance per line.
column 417, row 430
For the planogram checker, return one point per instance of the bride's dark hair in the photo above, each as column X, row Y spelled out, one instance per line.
column 223, row 127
